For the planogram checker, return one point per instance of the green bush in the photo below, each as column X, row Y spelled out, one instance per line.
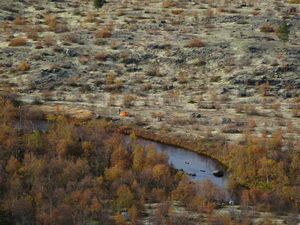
column 283, row 32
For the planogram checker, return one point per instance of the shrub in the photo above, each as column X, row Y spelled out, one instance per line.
column 266, row 28
column 283, row 32
column 128, row 100
column 177, row 11
column 104, row 33
column 18, row 42
column 166, row 4
column 24, row 66
column 98, row 3
column 70, row 37
column 294, row 1
column 90, row 17
column 49, row 41
column 19, row 21
column 100, row 56
column 195, row 42
column 32, row 33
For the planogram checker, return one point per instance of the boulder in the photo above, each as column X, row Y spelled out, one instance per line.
column 218, row 173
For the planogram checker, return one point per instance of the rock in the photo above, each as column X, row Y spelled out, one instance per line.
column 242, row 93
column 71, row 53
column 224, row 90
column 126, row 215
column 254, row 49
column 196, row 115
column 218, row 173
column 288, row 94
column 9, row 18
column 226, row 120
column 98, row 116
column 130, row 61
column 158, row 46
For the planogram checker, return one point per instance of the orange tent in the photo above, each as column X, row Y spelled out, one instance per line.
column 124, row 114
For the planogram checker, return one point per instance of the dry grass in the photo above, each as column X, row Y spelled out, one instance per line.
column 195, row 42
column 18, row 42
column 104, row 33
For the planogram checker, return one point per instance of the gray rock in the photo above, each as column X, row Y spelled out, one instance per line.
column 242, row 93
column 196, row 115
column 226, row 120
column 71, row 53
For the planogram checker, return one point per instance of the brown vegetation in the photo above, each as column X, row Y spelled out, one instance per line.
column 18, row 42
column 195, row 42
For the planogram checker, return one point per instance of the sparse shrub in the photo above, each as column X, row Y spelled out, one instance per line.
column 166, row 4
column 255, row 12
column 153, row 72
column 19, row 21
column 18, row 42
column 182, row 78
column 209, row 13
column 266, row 28
column 32, row 33
column 104, row 33
column 128, row 100
column 283, row 32
column 90, row 17
column 48, row 18
column 24, row 66
column 47, row 95
column 295, row 110
column 83, row 59
column 49, row 41
column 70, row 37
column 110, row 78
column 98, row 3
column 113, row 44
column 177, row 11
column 264, row 89
column 294, row 1
column 100, row 56
column 195, row 42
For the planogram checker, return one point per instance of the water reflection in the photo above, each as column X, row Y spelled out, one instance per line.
column 192, row 163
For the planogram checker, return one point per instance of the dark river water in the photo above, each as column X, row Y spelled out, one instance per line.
column 200, row 166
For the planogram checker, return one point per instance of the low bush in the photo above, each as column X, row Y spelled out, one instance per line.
column 18, row 42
